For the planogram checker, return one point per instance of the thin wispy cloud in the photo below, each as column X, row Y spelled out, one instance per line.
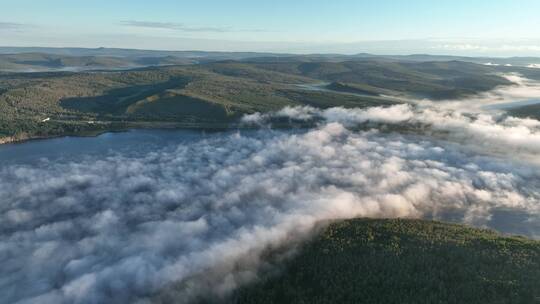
column 174, row 26
column 185, row 28
column 487, row 48
column 11, row 26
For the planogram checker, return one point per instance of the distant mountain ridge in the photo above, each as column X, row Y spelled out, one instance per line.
column 119, row 52
column 41, row 62
column 30, row 59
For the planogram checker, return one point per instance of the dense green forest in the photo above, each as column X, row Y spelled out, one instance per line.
column 403, row 261
column 216, row 93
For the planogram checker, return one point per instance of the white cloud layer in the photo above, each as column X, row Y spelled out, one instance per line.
column 483, row 132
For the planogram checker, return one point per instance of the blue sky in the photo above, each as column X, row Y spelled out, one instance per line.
column 474, row 27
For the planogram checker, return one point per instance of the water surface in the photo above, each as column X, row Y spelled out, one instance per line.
column 72, row 148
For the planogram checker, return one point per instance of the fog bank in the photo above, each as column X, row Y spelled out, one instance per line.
column 121, row 228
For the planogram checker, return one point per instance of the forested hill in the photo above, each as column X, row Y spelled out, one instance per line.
column 213, row 94
column 404, row 261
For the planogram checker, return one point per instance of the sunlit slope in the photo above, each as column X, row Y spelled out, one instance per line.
column 404, row 261
column 435, row 80
column 218, row 92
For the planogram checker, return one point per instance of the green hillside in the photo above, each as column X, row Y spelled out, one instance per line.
column 403, row 261
column 436, row 80
column 213, row 94
column 196, row 95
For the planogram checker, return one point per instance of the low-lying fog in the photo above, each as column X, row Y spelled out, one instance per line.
column 123, row 227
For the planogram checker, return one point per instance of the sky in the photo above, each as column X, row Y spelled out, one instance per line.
column 459, row 27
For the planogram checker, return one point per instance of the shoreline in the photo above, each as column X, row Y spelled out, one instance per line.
column 211, row 127
column 14, row 140
column 6, row 140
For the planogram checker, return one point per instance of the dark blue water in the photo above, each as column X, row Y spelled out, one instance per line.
column 72, row 148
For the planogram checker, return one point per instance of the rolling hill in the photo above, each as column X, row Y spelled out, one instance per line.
column 211, row 94
column 436, row 80
column 403, row 261
column 138, row 57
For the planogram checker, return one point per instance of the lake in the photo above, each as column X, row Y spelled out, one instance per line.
column 71, row 148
